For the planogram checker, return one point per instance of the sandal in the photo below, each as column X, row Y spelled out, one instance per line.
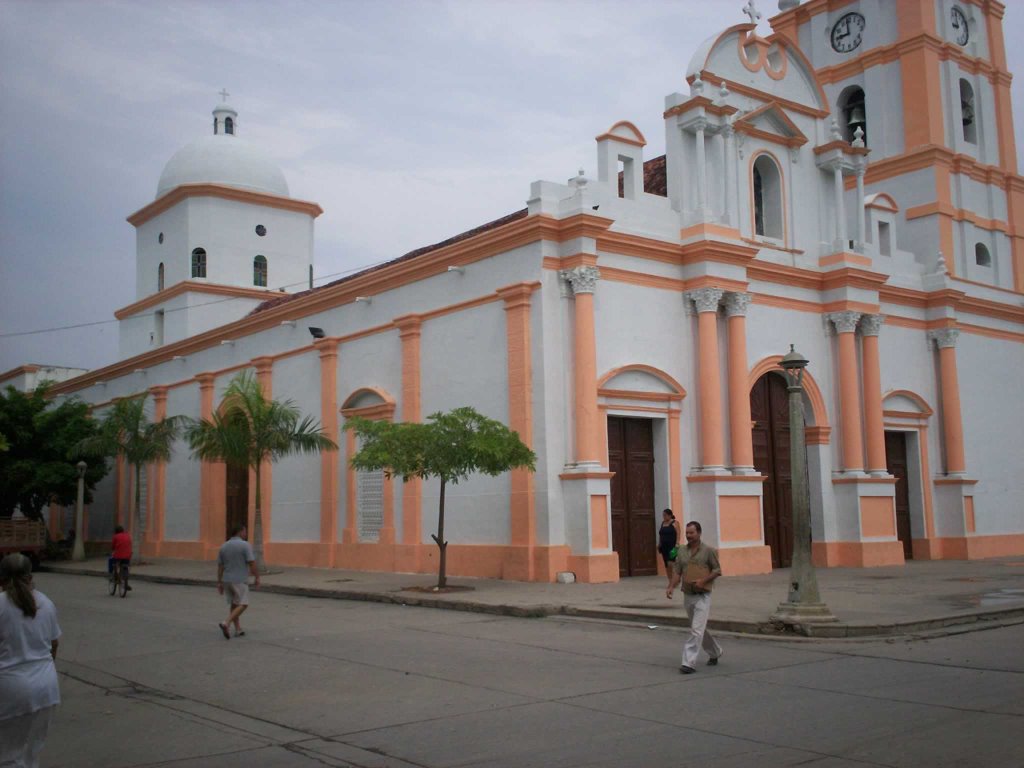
column 240, row 633
column 224, row 630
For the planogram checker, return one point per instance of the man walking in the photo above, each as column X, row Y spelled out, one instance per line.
column 235, row 562
column 697, row 566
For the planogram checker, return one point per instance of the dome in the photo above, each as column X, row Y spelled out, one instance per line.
column 222, row 159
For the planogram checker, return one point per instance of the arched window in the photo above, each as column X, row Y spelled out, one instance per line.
column 767, row 198
column 259, row 271
column 967, row 112
column 160, row 277
column 853, row 113
column 229, row 125
column 981, row 256
column 198, row 263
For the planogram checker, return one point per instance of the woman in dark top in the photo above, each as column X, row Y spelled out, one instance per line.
column 669, row 536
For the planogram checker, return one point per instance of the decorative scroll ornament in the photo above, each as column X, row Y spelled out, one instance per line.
column 706, row 299
column 582, row 279
column 736, row 304
column 871, row 325
column 845, row 322
column 944, row 338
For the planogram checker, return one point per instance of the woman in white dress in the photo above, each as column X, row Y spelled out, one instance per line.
column 28, row 678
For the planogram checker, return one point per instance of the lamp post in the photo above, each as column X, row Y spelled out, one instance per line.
column 78, row 553
column 804, row 604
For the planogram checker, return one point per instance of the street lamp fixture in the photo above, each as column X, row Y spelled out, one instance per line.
column 78, row 550
column 804, row 604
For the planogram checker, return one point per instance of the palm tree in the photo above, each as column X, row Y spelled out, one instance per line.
column 127, row 431
column 252, row 430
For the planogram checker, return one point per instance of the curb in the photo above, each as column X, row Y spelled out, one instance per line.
column 764, row 629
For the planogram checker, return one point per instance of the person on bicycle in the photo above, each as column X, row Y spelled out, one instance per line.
column 121, row 550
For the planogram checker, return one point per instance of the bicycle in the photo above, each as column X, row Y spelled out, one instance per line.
column 119, row 580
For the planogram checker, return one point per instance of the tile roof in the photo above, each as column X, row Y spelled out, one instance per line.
column 654, row 183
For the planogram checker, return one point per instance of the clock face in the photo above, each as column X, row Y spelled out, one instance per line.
column 847, row 32
column 960, row 32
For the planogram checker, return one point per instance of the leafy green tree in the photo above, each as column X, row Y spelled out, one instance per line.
column 251, row 430
column 126, row 430
column 449, row 446
column 38, row 465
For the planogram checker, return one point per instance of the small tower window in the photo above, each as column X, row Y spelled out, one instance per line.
column 160, row 277
column 229, row 125
column 853, row 113
column 259, row 271
column 198, row 263
column 767, row 182
column 981, row 256
column 968, row 112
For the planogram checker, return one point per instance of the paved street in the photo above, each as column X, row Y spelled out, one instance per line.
column 150, row 681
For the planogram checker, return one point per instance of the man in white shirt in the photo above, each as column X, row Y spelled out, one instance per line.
column 235, row 562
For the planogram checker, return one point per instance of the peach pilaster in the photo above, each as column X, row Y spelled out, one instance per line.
column 264, row 366
column 158, row 481
column 328, row 350
column 206, row 533
column 588, row 445
column 874, row 429
column 740, row 435
column 849, row 397
column 522, row 504
column 952, row 425
column 712, row 444
column 409, row 329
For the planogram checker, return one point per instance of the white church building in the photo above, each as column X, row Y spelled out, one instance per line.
column 847, row 184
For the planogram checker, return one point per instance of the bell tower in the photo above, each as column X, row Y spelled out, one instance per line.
column 927, row 83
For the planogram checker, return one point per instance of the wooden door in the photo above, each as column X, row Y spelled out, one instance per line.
column 236, row 503
column 631, row 458
column 769, row 410
column 896, row 465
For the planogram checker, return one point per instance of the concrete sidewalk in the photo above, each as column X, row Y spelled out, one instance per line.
column 917, row 597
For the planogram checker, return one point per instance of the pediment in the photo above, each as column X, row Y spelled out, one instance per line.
column 771, row 123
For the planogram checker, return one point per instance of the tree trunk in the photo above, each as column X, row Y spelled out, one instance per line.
column 441, row 543
column 136, row 518
column 257, row 524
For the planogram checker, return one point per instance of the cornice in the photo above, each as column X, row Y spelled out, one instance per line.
column 224, row 192
column 189, row 286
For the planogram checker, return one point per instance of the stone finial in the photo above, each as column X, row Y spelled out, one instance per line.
column 579, row 180
column 940, row 265
column 723, row 93
column 858, row 137
column 834, row 131
column 752, row 13
column 697, row 86
column 582, row 279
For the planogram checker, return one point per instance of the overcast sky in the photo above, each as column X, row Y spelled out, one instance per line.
column 408, row 121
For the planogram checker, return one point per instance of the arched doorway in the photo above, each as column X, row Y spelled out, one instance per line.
column 769, row 410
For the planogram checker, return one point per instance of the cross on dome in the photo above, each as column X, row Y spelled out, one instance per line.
column 752, row 12
column 223, row 93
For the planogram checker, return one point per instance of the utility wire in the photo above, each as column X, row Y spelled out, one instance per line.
column 270, row 295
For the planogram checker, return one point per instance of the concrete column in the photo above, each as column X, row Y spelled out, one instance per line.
column 712, row 447
column 842, row 241
column 952, row 423
column 728, row 165
column 849, row 399
column 861, row 223
column 739, row 393
column 409, row 332
column 159, row 481
column 702, row 172
column 583, row 281
column 874, row 429
column 206, row 468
